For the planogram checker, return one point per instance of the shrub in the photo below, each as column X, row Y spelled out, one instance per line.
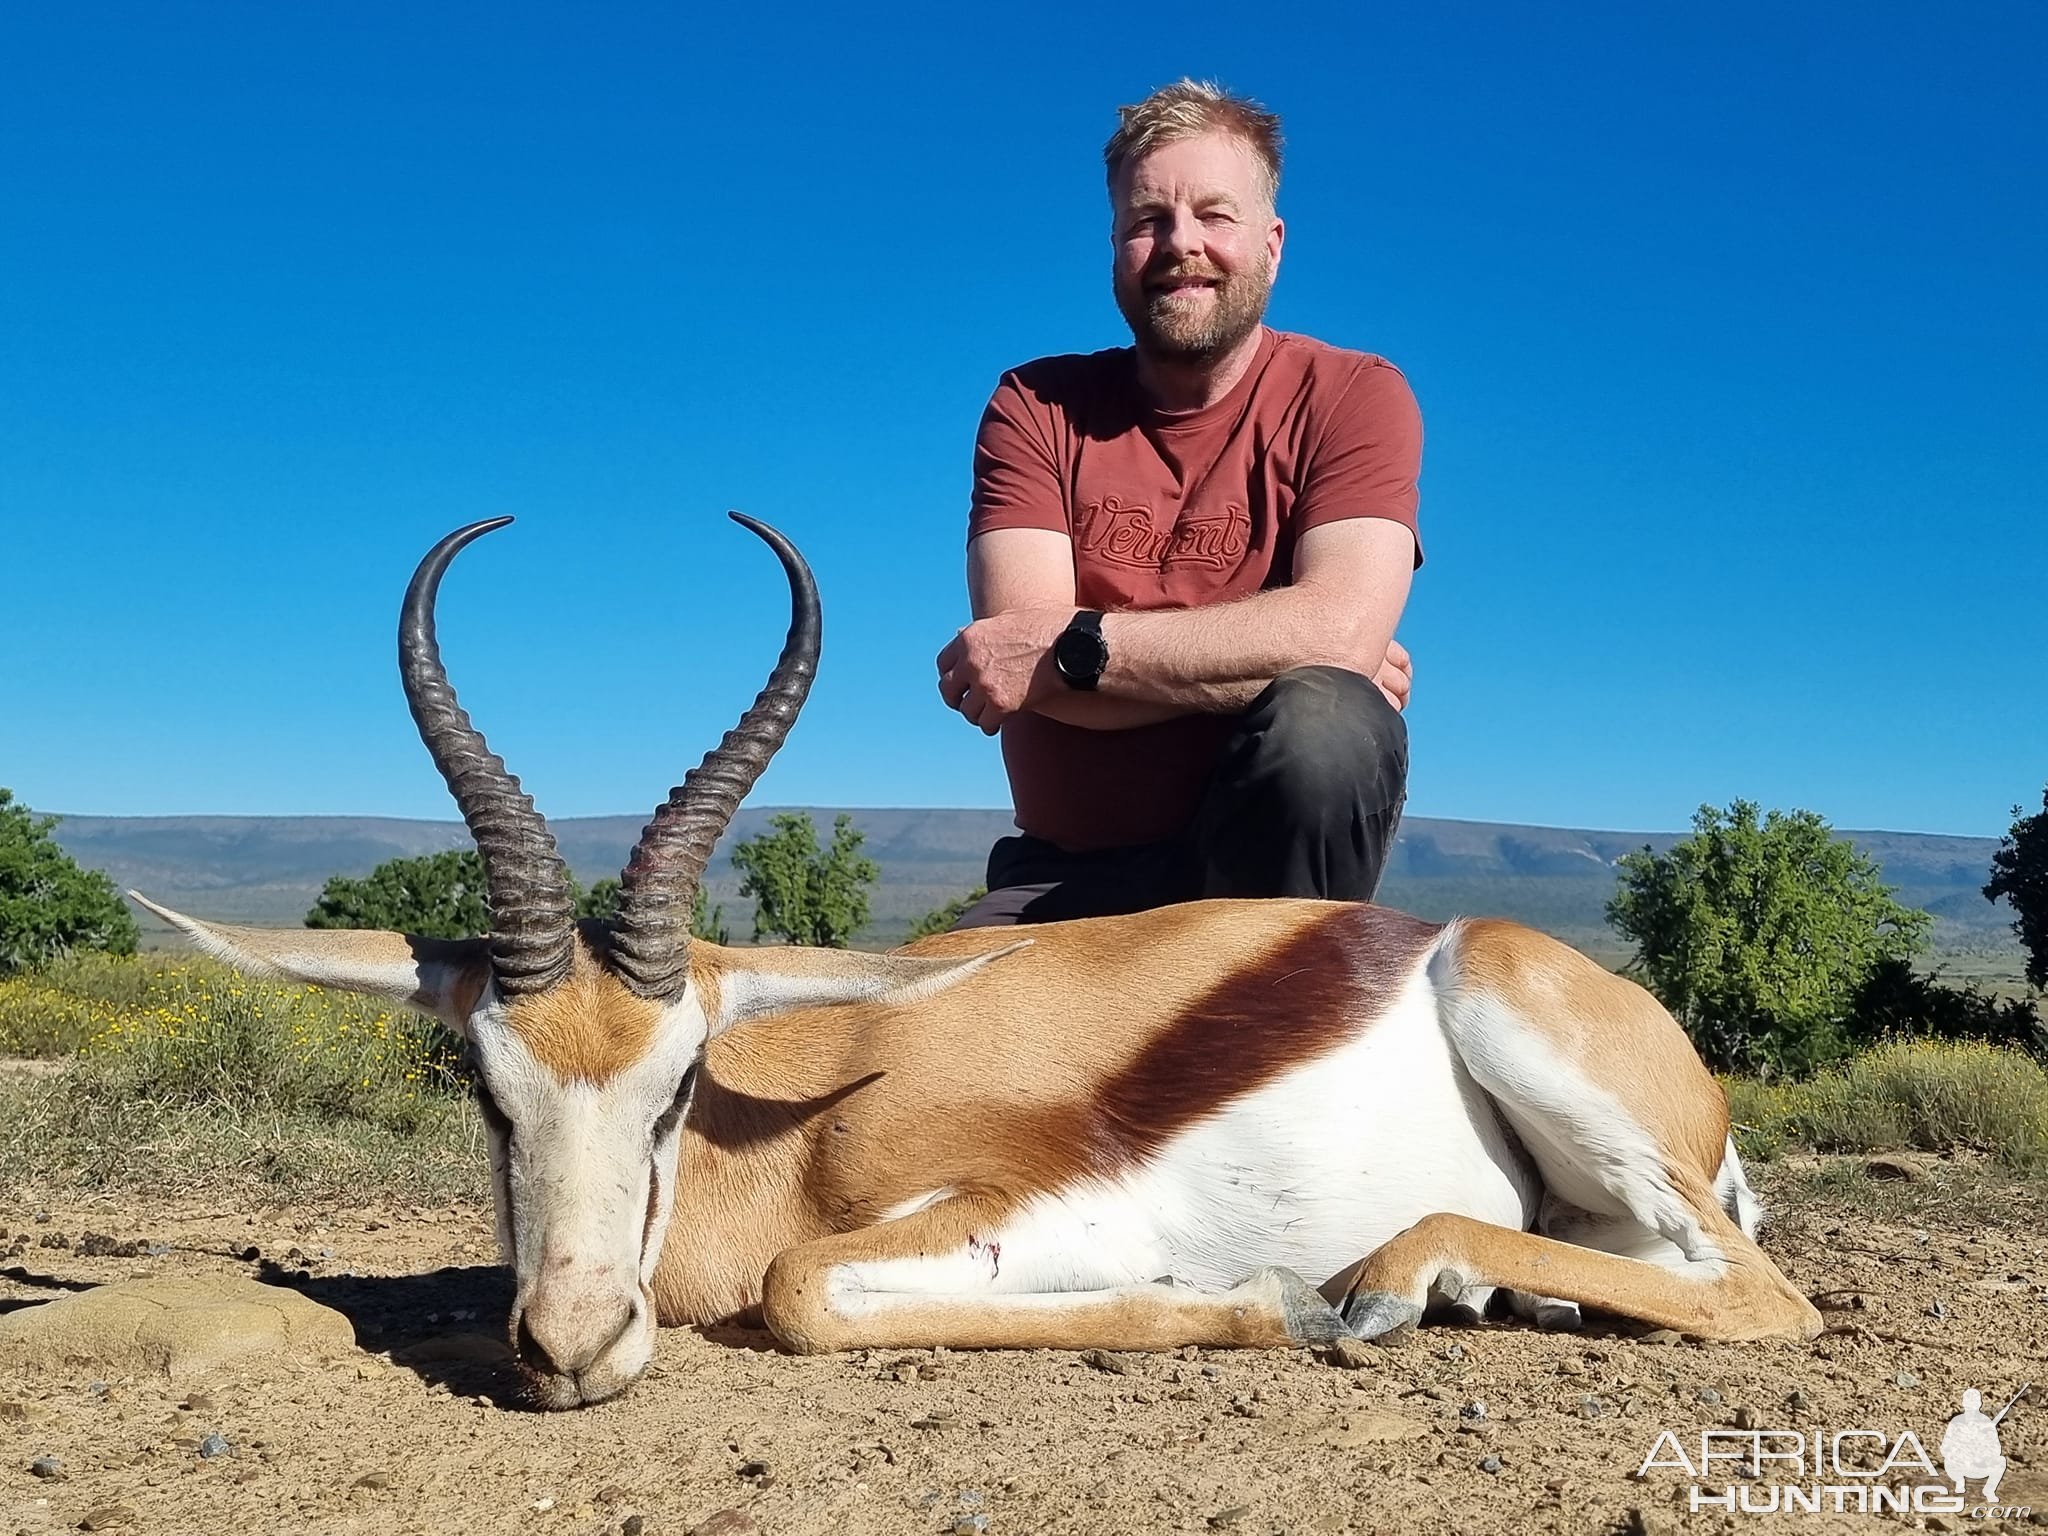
column 49, row 906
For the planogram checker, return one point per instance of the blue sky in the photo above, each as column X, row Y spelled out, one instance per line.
column 1727, row 326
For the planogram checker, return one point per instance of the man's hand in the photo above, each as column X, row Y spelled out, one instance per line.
column 1396, row 677
column 1001, row 665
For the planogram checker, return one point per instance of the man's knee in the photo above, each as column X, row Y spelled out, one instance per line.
column 1318, row 733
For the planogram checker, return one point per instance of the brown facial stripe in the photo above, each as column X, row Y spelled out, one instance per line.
column 1323, row 985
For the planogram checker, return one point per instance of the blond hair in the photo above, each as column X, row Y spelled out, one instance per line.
column 1186, row 110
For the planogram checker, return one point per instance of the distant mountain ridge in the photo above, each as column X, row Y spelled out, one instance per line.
column 270, row 869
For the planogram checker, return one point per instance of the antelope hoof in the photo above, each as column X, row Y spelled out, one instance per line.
column 1379, row 1315
column 1559, row 1317
column 1307, row 1318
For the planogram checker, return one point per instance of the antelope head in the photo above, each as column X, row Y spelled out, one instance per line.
column 587, row 1037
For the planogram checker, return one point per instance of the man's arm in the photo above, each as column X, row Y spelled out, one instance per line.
column 1351, row 579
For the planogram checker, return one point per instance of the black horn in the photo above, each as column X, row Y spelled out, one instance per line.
column 650, row 943
column 532, row 916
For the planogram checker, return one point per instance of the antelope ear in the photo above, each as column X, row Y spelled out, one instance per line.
column 741, row 984
column 443, row 977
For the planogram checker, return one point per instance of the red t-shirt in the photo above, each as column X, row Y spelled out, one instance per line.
column 1175, row 510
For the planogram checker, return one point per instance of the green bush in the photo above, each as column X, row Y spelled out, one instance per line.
column 49, row 906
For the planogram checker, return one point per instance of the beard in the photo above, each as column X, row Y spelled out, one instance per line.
column 1177, row 330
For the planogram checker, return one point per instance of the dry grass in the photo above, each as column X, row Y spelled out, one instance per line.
column 1926, row 1096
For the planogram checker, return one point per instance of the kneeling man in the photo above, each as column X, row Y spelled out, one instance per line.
column 1186, row 560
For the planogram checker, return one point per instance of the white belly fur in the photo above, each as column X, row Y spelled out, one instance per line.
column 1312, row 1171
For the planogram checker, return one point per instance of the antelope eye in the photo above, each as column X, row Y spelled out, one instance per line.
column 494, row 1117
column 668, row 1118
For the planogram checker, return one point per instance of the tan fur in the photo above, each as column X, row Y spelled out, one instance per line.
column 795, row 1305
column 1749, row 1300
column 1612, row 1030
column 589, row 1027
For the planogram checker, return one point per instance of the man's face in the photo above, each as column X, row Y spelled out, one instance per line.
column 1196, row 247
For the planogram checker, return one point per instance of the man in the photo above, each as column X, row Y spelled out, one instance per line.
column 1186, row 561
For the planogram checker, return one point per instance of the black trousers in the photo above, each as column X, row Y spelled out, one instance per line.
column 1303, row 801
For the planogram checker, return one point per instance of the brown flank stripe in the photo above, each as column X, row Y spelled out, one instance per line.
column 1326, row 984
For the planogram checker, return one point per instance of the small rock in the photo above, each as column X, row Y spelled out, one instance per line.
column 1570, row 1367
column 727, row 1522
column 633, row 1525
column 1489, row 1464
column 1229, row 1516
column 970, row 1525
column 1103, row 1360
column 1707, row 1395
column 609, row 1495
column 213, row 1445
column 1747, row 1418
column 1798, row 1401
column 198, row 1402
column 108, row 1517
column 1454, row 1351
column 1592, row 1408
column 1211, row 1372
column 756, row 1472
column 544, row 1503
column 49, row 1468
column 1659, row 1336
column 1352, row 1354
column 1906, row 1379
column 1473, row 1410
column 374, row 1480
column 1936, row 1309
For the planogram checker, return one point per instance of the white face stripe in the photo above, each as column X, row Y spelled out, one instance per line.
column 577, row 1181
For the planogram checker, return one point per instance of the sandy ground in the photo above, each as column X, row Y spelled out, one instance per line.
column 421, row 1430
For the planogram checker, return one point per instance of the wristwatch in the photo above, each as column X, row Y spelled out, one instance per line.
column 1080, row 653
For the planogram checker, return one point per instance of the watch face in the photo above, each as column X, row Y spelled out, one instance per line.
column 1080, row 656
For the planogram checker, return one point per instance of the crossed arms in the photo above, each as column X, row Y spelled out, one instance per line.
column 1350, row 581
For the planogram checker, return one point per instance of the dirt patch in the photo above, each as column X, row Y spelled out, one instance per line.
column 1494, row 1429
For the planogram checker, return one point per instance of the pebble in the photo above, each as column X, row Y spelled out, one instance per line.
column 213, row 1445
column 374, row 1480
column 1473, row 1410
column 757, row 1472
column 1592, row 1408
column 1104, row 1360
column 1211, row 1372
column 611, row 1494
column 198, row 1402
column 46, row 1467
column 1454, row 1351
column 1706, row 1395
column 544, row 1503
column 970, row 1525
column 1748, row 1418
column 1570, row 1367
column 108, row 1517
column 1490, row 1464
column 1659, row 1336
column 633, row 1525
column 1229, row 1516
column 1798, row 1401
column 727, row 1522
column 1906, row 1379
column 1936, row 1309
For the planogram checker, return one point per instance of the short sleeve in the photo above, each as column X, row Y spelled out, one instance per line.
column 1016, row 472
column 1365, row 456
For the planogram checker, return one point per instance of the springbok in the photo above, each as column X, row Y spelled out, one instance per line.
column 1005, row 1139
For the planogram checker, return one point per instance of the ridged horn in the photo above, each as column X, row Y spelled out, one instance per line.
column 532, row 916
column 650, row 943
